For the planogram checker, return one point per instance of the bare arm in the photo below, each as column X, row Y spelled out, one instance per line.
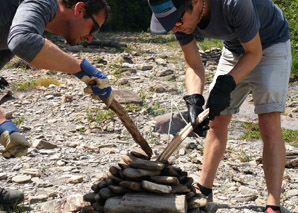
column 52, row 57
column 195, row 73
column 251, row 58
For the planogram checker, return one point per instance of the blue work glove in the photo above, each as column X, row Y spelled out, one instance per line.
column 97, row 82
column 14, row 142
column 194, row 105
column 219, row 98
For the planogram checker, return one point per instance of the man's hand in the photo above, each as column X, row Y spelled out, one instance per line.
column 219, row 97
column 194, row 105
column 14, row 142
column 97, row 82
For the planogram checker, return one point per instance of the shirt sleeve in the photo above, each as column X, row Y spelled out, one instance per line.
column 25, row 36
column 184, row 38
column 244, row 18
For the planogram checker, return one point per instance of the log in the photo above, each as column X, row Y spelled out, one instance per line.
column 146, row 203
column 130, row 126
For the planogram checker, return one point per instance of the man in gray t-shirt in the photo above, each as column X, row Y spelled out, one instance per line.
column 22, row 23
column 256, row 57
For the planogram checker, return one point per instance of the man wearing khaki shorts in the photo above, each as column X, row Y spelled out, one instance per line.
column 256, row 57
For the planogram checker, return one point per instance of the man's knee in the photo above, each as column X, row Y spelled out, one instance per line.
column 270, row 126
column 220, row 122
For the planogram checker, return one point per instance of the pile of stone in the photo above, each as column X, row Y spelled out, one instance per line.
column 138, row 184
column 210, row 55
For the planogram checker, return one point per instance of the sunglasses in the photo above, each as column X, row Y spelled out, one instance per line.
column 95, row 28
column 180, row 22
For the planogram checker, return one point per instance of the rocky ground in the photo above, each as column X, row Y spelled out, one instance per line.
column 75, row 140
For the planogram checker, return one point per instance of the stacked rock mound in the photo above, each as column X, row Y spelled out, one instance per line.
column 137, row 184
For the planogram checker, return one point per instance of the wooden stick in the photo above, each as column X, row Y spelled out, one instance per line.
column 130, row 126
column 177, row 140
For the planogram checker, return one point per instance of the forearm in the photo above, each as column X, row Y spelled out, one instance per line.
column 251, row 58
column 195, row 80
column 51, row 57
column 245, row 65
column 195, row 72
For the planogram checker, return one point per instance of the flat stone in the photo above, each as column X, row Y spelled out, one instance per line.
column 3, row 176
column 74, row 203
column 127, row 97
column 292, row 193
column 157, row 188
column 21, row 179
column 132, row 185
column 75, row 179
column 142, row 164
column 165, row 180
column 53, row 206
column 139, row 153
column 106, row 193
column 43, row 144
column 32, row 172
column 137, row 173
column 176, row 189
column 117, row 189
column 38, row 199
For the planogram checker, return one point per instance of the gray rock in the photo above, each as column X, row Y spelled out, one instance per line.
column 157, row 188
column 137, row 173
column 37, row 199
column 165, row 180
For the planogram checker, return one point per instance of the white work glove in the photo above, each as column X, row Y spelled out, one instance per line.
column 14, row 142
column 97, row 82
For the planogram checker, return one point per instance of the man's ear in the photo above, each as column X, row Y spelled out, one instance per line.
column 195, row 3
column 79, row 8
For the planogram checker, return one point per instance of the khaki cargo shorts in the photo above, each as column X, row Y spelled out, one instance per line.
column 268, row 82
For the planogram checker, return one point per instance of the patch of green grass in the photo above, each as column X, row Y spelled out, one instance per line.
column 117, row 73
column 18, row 121
column 24, row 85
column 294, row 63
column 252, row 132
column 31, row 84
column 46, row 82
column 132, row 107
column 153, row 38
column 244, row 156
column 154, row 139
column 100, row 117
column 290, row 136
column 155, row 109
column 208, row 44
column 8, row 65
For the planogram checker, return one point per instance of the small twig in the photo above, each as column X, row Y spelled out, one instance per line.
column 184, row 119
column 170, row 123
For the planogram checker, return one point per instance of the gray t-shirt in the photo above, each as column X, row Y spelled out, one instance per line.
column 235, row 21
column 22, row 23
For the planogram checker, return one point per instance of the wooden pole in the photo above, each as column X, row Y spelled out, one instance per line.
column 177, row 140
column 130, row 126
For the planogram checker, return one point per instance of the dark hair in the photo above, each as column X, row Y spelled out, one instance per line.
column 187, row 5
column 91, row 6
